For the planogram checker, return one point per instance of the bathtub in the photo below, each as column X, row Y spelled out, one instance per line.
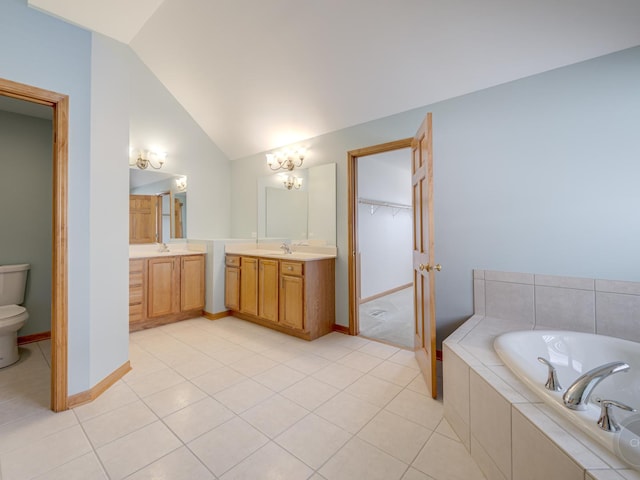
column 573, row 354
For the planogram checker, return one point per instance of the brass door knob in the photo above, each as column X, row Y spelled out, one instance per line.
column 437, row 267
column 421, row 267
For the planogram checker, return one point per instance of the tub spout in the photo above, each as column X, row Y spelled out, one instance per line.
column 577, row 395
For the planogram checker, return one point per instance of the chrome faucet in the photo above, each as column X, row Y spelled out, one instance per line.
column 577, row 395
column 163, row 248
column 286, row 248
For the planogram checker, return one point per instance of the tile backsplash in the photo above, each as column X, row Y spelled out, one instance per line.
column 569, row 303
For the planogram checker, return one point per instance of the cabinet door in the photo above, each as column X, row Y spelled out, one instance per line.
column 192, row 283
column 232, row 288
column 268, row 294
column 163, row 293
column 292, row 301
column 249, row 285
column 143, row 210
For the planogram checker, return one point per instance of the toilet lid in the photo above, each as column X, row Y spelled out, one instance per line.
column 8, row 311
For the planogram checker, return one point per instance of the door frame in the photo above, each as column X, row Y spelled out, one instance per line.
column 59, row 284
column 352, row 186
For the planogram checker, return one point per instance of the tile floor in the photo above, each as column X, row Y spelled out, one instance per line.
column 231, row 400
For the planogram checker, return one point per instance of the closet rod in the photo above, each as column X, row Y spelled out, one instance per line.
column 379, row 203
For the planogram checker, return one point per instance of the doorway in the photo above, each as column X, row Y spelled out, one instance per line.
column 423, row 257
column 384, row 226
column 59, row 281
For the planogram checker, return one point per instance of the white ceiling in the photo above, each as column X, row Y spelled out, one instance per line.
column 258, row 74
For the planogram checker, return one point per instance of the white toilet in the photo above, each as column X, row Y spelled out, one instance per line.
column 13, row 280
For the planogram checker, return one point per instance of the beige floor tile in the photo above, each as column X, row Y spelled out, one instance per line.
column 307, row 363
column 154, row 382
column 445, row 429
column 174, row 398
column 24, row 404
column 309, row 393
column 348, row 412
column 115, row 397
column 198, row 418
column 136, row 450
column 282, row 353
column 379, row 350
column 313, row 440
column 360, row 460
column 274, row 415
column 118, row 423
column 413, row 474
column 51, row 452
column 271, row 462
column 405, row 358
column 279, row 377
column 330, row 352
column 337, row 375
column 417, row 408
column 180, row 464
column 373, row 390
column 253, row 365
column 82, row 468
column 446, row 459
column 196, row 366
column 34, row 427
column 244, row 395
column 360, row 361
column 418, row 385
column 230, row 355
column 395, row 435
column 394, row 373
column 227, row 445
column 218, row 380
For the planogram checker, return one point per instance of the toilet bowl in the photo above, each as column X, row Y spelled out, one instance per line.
column 12, row 318
column 13, row 280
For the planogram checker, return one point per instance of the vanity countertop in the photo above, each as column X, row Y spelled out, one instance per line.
column 269, row 253
column 151, row 250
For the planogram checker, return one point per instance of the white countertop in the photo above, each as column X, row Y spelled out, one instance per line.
column 297, row 256
column 175, row 249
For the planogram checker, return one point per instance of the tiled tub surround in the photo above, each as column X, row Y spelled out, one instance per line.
column 508, row 430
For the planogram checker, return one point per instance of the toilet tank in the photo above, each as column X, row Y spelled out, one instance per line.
column 13, row 280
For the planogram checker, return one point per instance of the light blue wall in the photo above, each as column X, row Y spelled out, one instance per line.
column 26, row 181
column 39, row 50
column 538, row 175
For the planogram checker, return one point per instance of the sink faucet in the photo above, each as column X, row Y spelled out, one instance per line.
column 286, row 248
column 163, row 248
column 577, row 395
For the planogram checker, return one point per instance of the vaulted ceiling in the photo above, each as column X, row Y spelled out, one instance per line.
column 258, row 74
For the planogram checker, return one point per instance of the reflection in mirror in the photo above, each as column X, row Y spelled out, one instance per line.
column 307, row 213
column 158, row 206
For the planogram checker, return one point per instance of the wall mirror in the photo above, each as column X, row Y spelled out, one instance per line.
column 158, row 206
column 299, row 205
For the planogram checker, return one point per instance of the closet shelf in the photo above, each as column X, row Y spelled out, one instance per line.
column 376, row 204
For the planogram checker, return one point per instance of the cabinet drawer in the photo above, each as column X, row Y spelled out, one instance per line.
column 135, row 312
column 291, row 268
column 135, row 279
column 136, row 266
column 136, row 295
column 233, row 261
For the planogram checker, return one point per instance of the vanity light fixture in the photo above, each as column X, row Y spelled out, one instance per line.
column 293, row 182
column 181, row 184
column 287, row 159
column 146, row 158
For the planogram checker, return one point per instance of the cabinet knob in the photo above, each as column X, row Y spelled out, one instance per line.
column 289, row 268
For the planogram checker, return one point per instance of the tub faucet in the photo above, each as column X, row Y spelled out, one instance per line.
column 577, row 395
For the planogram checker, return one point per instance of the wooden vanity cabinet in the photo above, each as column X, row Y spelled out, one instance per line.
column 232, row 282
column 165, row 289
column 268, row 289
column 294, row 297
column 163, row 286
column 249, row 285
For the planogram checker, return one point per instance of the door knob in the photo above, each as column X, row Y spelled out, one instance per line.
column 421, row 267
column 437, row 267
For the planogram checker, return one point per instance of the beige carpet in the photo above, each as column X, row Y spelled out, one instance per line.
column 389, row 318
